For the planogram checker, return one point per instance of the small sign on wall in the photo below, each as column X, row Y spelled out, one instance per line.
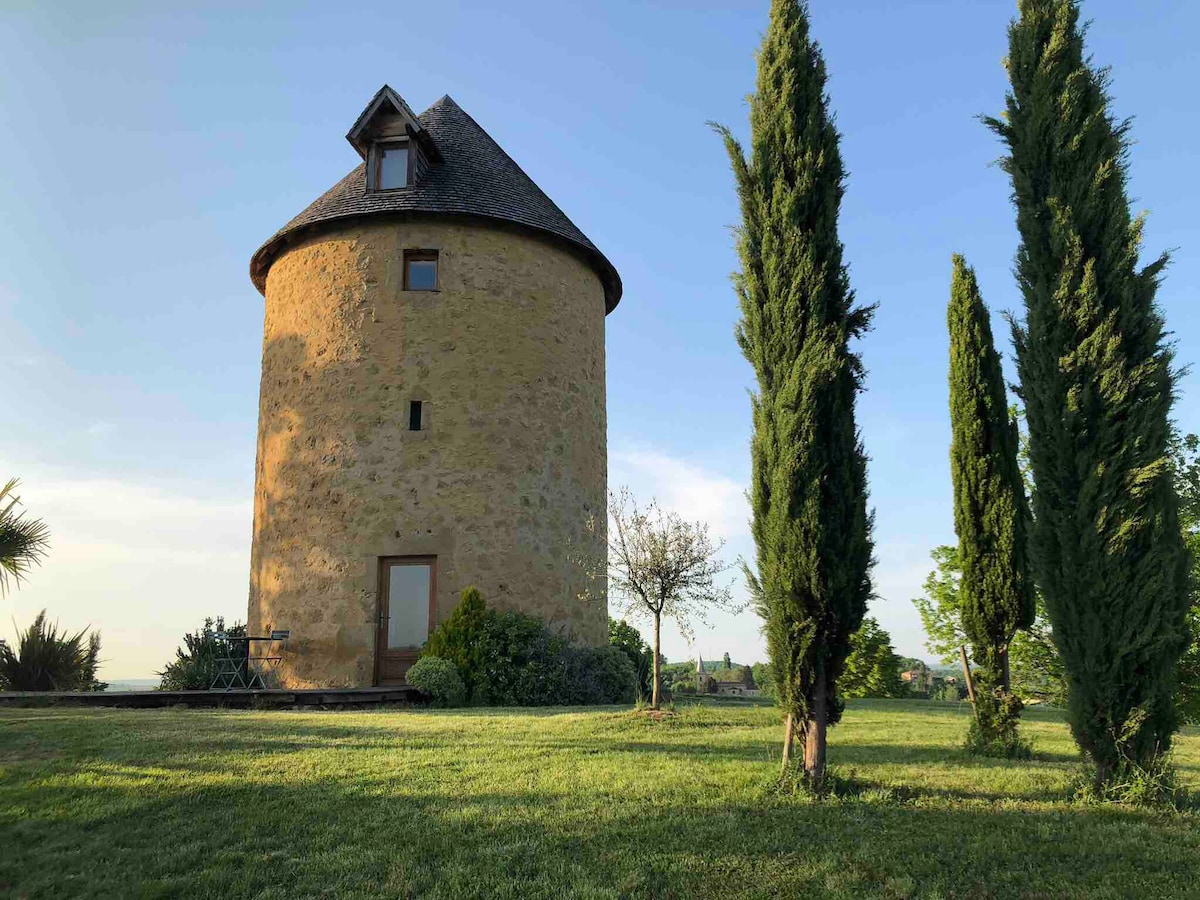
column 281, row 634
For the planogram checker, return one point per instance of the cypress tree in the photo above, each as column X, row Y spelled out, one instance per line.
column 989, row 514
column 809, row 476
column 1097, row 383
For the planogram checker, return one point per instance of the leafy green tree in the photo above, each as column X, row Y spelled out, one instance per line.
column 811, row 528
column 629, row 641
column 872, row 668
column 1097, row 384
column 748, row 681
column 676, row 671
column 1189, row 672
column 990, row 514
column 947, row 688
column 765, row 679
column 1185, row 453
column 1036, row 669
column 940, row 607
column 23, row 541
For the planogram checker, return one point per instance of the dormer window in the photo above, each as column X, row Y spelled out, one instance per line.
column 394, row 144
column 391, row 166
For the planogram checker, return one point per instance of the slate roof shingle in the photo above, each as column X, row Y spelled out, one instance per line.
column 475, row 178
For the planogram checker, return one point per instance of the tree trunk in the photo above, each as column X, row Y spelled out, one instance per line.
column 1004, row 671
column 814, row 734
column 789, row 730
column 962, row 654
column 657, row 658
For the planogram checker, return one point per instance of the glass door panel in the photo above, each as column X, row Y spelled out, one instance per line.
column 408, row 605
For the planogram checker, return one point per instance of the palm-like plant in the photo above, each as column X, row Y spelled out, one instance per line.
column 48, row 659
column 23, row 541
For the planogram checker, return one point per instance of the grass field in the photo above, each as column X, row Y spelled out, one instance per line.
column 558, row 803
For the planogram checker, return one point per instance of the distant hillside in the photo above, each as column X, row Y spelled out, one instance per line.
column 133, row 684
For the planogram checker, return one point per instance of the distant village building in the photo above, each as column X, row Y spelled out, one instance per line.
column 736, row 682
column 924, row 682
column 432, row 410
column 919, row 679
column 725, row 679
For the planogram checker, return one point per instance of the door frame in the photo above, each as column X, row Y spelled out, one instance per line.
column 383, row 603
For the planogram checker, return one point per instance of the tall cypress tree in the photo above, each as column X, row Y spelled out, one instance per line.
column 809, row 489
column 990, row 513
column 1097, row 383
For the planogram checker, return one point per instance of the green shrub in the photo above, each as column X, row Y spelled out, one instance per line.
column 461, row 640
column 601, row 675
column 195, row 663
column 47, row 659
column 523, row 664
column 1130, row 784
column 993, row 730
column 438, row 679
column 512, row 659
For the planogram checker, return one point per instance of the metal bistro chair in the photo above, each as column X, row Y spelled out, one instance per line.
column 234, row 672
column 239, row 672
column 265, row 664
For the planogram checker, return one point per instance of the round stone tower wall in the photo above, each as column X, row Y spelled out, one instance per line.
column 507, row 358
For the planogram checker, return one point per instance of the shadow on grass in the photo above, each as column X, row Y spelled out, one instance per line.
column 387, row 835
column 218, row 742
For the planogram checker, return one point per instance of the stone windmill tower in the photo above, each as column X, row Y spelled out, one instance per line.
column 432, row 410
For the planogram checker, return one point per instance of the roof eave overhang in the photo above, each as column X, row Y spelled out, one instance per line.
column 264, row 257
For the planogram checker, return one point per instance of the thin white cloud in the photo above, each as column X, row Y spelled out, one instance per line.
column 143, row 564
column 690, row 490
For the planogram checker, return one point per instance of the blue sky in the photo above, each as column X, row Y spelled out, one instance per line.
column 148, row 149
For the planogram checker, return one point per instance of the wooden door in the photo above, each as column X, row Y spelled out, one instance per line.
column 407, row 613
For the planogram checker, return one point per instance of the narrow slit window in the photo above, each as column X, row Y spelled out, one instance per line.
column 415, row 410
column 420, row 270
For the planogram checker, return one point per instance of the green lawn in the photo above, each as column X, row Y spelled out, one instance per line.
column 559, row 803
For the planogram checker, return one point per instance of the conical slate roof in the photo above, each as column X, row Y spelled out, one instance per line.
column 475, row 177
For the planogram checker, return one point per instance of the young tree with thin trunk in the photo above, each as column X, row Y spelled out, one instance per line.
column 1034, row 665
column 664, row 567
column 1097, row 384
column 990, row 515
column 811, row 528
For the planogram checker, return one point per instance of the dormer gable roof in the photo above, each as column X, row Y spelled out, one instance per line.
column 387, row 105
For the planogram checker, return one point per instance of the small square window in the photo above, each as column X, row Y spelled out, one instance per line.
column 392, row 166
column 415, row 409
column 420, row 270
